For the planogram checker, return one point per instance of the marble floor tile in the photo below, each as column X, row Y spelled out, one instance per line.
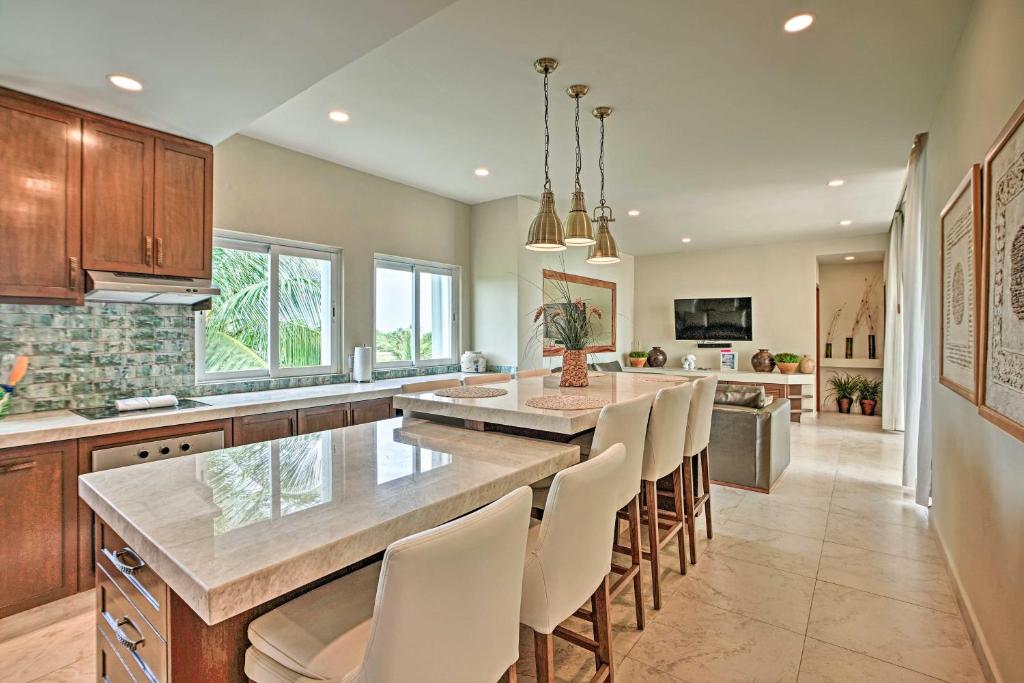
column 921, row 583
column 634, row 671
column 824, row 663
column 753, row 590
column 895, row 539
column 765, row 511
column 768, row 547
column 914, row 637
column 704, row 643
column 81, row 671
column 47, row 615
column 40, row 652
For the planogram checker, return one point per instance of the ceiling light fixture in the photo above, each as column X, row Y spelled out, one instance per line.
column 546, row 228
column 799, row 22
column 849, row 258
column 633, row 212
column 836, row 182
column 338, row 116
column 578, row 230
column 687, row 240
column 604, row 250
column 482, row 172
column 845, row 223
column 125, row 82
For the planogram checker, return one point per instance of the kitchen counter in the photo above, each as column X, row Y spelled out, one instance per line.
column 233, row 529
column 57, row 425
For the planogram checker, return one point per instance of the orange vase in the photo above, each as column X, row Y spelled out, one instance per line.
column 574, row 369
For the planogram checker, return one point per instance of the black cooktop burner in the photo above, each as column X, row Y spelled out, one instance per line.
column 111, row 411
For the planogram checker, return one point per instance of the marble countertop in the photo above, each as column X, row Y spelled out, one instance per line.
column 57, row 425
column 511, row 410
column 232, row 529
column 733, row 375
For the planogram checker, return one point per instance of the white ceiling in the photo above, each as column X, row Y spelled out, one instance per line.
column 725, row 129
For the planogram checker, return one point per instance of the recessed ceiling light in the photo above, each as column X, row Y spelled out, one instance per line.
column 800, row 22
column 849, row 258
column 845, row 222
column 125, row 82
column 687, row 240
column 633, row 212
column 482, row 172
column 836, row 182
column 338, row 116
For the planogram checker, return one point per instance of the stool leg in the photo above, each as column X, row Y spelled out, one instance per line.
column 651, row 491
column 544, row 653
column 688, row 507
column 705, row 472
column 678, row 499
column 603, row 629
column 636, row 553
column 511, row 676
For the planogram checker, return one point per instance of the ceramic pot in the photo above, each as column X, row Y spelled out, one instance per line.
column 637, row 362
column 807, row 365
column 574, row 369
column 762, row 361
column 788, row 368
column 844, row 404
column 828, row 349
column 867, row 406
column 656, row 358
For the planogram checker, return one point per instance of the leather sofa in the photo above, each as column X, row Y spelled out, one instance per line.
column 749, row 437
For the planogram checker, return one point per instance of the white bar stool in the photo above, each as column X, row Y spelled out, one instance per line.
column 698, row 436
column 445, row 610
column 490, row 378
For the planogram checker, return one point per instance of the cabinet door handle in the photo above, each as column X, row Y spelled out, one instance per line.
column 127, row 642
column 160, row 251
column 16, row 467
column 74, row 272
column 149, row 251
column 131, row 567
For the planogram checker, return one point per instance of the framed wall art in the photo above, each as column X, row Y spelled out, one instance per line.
column 599, row 294
column 960, row 222
column 1001, row 377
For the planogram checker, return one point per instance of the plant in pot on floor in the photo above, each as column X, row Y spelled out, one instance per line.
column 637, row 359
column 843, row 387
column 787, row 363
column 868, row 393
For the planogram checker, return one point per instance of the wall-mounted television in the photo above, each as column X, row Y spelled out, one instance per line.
column 724, row 320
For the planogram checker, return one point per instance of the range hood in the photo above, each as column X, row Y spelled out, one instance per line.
column 146, row 289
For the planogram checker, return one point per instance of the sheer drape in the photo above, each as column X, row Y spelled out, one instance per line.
column 894, row 395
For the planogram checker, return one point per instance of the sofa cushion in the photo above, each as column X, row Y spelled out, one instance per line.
column 741, row 395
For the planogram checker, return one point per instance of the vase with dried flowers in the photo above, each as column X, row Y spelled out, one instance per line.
column 832, row 330
column 865, row 316
column 570, row 322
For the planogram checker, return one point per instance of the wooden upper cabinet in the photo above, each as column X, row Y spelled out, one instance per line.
column 183, row 210
column 117, row 198
column 40, row 208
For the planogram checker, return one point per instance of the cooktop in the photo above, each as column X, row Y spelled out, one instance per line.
column 111, row 411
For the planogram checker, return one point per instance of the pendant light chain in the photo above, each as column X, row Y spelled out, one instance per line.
column 600, row 162
column 579, row 153
column 547, row 134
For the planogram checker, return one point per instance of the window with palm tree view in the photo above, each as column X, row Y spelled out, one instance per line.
column 414, row 316
column 275, row 315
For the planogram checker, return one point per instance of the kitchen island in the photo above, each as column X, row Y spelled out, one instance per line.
column 191, row 549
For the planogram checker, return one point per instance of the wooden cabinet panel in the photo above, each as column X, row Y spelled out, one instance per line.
column 322, row 418
column 370, row 411
column 40, row 207
column 38, row 525
column 117, row 198
column 254, row 428
column 109, row 665
column 183, row 209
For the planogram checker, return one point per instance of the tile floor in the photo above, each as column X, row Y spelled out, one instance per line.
column 834, row 577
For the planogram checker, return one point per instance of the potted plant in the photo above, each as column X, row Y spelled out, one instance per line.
column 787, row 363
column 637, row 359
column 843, row 387
column 570, row 321
column 868, row 392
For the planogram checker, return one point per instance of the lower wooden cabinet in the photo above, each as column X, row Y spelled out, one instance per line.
column 266, row 427
column 371, row 411
column 38, row 525
column 322, row 418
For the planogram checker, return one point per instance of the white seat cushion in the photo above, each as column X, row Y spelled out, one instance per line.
column 321, row 634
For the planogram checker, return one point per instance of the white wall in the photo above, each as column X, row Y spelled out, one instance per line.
column 977, row 469
column 780, row 278
column 268, row 190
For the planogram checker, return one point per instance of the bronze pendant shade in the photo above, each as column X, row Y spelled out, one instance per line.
column 546, row 229
column 604, row 250
column 578, row 230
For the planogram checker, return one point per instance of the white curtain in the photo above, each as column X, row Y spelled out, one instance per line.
column 894, row 394
column 914, row 250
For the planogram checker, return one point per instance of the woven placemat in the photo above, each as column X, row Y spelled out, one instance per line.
column 567, row 402
column 470, row 392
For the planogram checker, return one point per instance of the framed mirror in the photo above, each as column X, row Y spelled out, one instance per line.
column 594, row 293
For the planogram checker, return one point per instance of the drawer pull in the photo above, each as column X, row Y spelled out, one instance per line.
column 16, row 467
column 130, row 644
column 132, row 566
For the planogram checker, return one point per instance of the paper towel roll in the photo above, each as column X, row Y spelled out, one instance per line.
column 362, row 364
column 145, row 402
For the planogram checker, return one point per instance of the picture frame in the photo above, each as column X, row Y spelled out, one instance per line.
column 728, row 360
column 599, row 293
column 1001, row 369
column 960, row 224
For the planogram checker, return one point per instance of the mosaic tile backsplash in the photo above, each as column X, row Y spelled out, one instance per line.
column 87, row 356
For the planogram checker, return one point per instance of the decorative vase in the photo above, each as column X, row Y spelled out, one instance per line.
column 637, row 362
column 872, row 351
column 574, row 369
column 788, row 368
column 656, row 358
column 849, row 347
column 844, row 404
column 867, row 406
column 807, row 365
column 762, row 361
column 828, row 349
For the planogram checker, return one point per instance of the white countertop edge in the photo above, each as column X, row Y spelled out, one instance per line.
column 733, row 375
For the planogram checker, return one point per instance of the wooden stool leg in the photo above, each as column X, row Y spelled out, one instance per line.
column 544, row 653
column 511, row 676
column 688, row 507
column 705, row 475
column 651, row 491
column 603, row 629
column 636, row 553
column 678, row 498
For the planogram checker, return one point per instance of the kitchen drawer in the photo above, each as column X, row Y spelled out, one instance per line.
column 142, row 650
column 136, row 579
column 109, row 665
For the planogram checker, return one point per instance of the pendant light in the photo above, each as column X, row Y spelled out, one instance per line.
column 604, row 250
column 546, row 228
column 578, row 230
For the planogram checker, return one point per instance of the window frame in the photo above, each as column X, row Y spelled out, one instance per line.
column 416, row 267
column 275, row 248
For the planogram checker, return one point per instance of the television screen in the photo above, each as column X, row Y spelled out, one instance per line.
column 723, row 320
